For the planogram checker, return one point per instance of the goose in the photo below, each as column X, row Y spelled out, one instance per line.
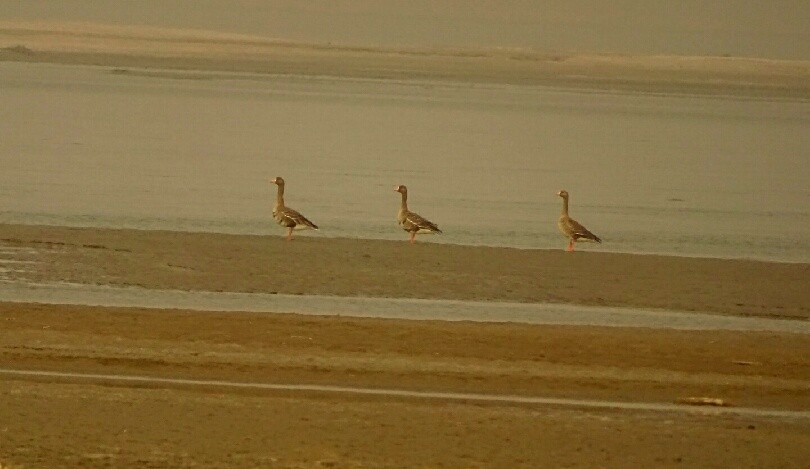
column 411, row 222
column 571, row 228
column 287, row 217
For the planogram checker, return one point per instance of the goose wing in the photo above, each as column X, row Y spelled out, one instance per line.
column 292, row 218
column 575, row 230
column 415, row 222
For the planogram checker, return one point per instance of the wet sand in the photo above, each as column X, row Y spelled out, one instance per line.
column 312, row 264
column 194, row 52
column 52, row 422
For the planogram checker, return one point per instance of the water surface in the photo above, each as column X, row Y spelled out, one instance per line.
column 650, row 173
column 391, row 308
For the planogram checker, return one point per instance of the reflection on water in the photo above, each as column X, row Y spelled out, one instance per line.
column 707, row 176
column 395, row 308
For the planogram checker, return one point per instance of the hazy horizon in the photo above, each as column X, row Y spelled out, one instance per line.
column 646, row 27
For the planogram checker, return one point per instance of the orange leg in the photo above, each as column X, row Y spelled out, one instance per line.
column 413, row 238
column 289, row 234
column 570, row 246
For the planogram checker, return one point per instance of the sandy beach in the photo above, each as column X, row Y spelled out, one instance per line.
column 54, row 422
column 176, row 425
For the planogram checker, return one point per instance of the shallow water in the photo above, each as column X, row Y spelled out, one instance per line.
column 392, row 308
column 649, row 173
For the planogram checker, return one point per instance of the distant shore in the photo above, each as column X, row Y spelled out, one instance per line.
column 130, row 47
column 377, row 268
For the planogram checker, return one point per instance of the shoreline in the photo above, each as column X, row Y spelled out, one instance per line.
column 164, row 260
column 396, row 237
column 194, row 50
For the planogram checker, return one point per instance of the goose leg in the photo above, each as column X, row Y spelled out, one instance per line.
column 570, row 246
column 289, row 234
column 413, row 237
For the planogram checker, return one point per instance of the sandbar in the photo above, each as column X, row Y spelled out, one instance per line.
column 142, row 50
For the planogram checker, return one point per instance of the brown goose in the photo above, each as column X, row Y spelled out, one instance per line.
column 411, row 222
column 288, row 217
column 571, row 228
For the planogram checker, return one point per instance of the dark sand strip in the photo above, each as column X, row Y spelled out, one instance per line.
column 375, row 268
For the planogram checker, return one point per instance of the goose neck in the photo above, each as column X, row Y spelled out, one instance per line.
column 280, row 196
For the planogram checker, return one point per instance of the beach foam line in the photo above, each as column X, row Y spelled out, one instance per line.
column 402, row 393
